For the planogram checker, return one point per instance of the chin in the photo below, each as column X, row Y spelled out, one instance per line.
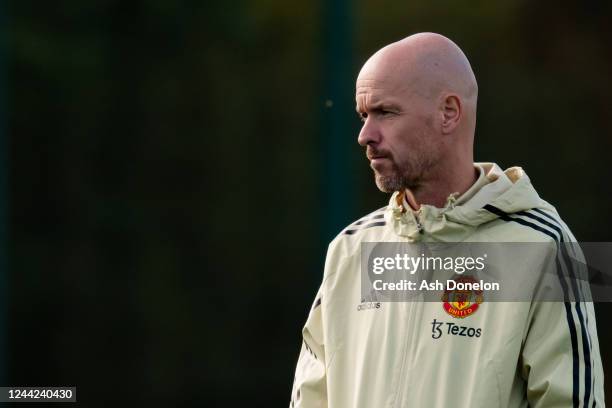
column 387, row 184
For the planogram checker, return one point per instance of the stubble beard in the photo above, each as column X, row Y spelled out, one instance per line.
column 408, row 176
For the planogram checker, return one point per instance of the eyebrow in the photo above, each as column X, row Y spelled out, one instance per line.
column 377, row 106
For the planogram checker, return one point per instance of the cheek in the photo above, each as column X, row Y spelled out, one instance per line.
column 409, row 136
column 413, row 144
column 429, row 121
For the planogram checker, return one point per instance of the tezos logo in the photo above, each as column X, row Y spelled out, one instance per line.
column 437, row 330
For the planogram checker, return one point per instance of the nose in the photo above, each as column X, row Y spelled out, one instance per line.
column 369, row 134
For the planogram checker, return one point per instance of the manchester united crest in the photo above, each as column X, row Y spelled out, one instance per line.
column 462, row 303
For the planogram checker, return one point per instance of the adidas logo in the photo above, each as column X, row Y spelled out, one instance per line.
column 366, row 305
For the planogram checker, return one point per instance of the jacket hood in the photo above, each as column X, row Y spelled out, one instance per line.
column 508, row 190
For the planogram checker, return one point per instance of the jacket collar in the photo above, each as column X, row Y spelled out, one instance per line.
column 509, row 190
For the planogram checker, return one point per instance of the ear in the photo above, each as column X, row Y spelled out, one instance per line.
column 452, row 109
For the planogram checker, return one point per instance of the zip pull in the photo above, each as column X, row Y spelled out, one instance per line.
column 420, row 228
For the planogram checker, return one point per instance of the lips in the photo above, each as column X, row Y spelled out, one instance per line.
column 378, row 162
column 374, row 155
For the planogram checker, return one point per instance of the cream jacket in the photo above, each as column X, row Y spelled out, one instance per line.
column 363, row 354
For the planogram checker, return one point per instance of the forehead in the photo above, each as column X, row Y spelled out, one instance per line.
column 374, row 91
column 382, row 78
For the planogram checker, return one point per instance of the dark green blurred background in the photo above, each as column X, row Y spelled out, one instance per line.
column 176, row 170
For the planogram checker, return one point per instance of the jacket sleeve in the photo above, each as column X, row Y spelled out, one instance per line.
column 309, row 384
column 561, row 363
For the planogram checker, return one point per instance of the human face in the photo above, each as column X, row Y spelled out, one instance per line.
column 397, row 132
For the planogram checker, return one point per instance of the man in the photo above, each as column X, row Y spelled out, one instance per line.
column 417, row 100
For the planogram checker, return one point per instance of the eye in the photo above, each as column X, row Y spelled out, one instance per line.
column 382, row 112
column 362, row 116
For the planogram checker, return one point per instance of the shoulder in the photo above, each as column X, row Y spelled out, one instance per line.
column 551, row 218
column 370, row 227
column 540, row 223
column 371, row 220
column 545, row 219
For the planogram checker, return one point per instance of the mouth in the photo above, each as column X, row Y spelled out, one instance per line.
column 372, row 156
column 378, row 163
column 378, row 159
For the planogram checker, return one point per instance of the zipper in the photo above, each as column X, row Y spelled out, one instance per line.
column 419, row 225
column 401, row 378
column 409, row 343
column 418, row 222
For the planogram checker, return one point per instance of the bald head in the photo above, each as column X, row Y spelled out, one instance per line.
column 427, row 64
column 417, row 98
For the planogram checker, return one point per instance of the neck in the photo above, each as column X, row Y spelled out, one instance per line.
column 435, row 192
